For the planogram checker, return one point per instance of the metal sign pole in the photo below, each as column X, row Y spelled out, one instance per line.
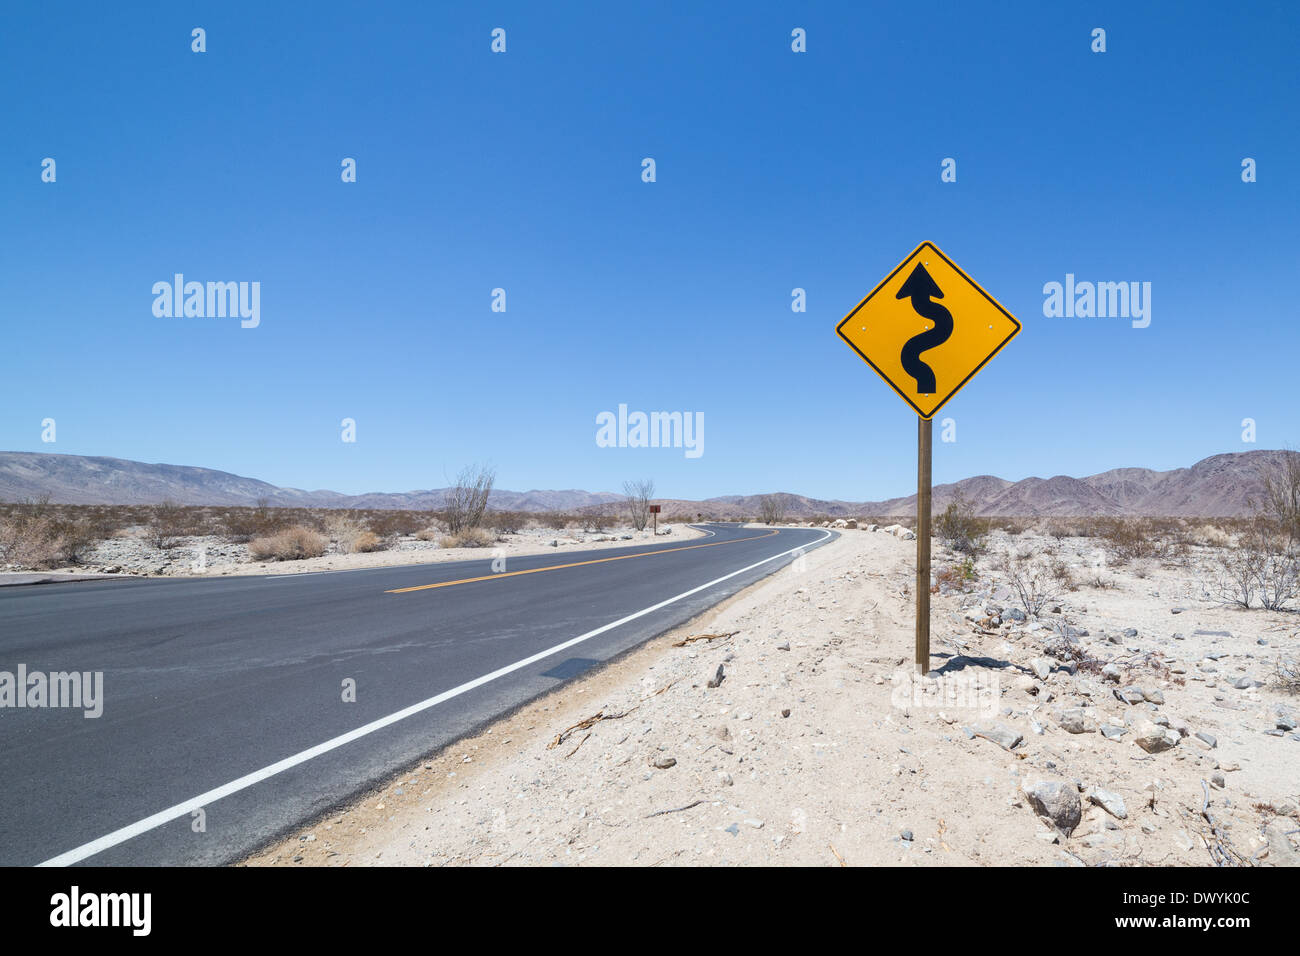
column 923, row 437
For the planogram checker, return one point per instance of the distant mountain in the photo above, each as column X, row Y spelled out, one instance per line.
column 1219, row 486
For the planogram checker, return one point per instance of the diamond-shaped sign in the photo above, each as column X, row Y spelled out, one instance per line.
column 927, row 329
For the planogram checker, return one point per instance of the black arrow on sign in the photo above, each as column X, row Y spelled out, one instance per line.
column 920, row 288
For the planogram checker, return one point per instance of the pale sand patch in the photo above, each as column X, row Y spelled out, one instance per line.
column 847, row 772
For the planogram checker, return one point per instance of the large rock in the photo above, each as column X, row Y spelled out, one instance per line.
column 1055, row 801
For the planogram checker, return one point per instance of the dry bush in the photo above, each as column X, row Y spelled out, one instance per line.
column 505, row 522
column 168, row 523
column 596, row 519
column 292, row 544
column 1210, row 536
column 1286, row 673
column 959, row 528
column 772, row 508
column 1062, row 574
column 468, row 538
column 957, row 577
column 368, row 541
column 1280, row 500
column 1031, row 581
column 28, row 538
column 639, row 494
column 244, row 524
column 430, row 533
column 558, row 520
column 467, row 499
column 344, row 530
column 391, row 524
column 1263, row 567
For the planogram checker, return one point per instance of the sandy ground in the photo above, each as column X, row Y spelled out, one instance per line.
column 216, row 557
column 817, row 750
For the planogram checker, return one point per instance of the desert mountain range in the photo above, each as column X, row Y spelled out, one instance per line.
column 1218, row 486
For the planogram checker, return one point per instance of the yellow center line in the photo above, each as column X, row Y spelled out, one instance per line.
column 577, row 564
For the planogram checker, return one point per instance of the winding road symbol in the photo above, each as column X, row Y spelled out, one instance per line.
column 921, row 288
column 927, row 329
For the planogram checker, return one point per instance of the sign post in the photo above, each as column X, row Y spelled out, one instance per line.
column 924, row 434
column 654, row 510
column 891, row 329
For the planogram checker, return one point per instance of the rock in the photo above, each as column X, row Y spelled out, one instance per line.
column 1208, row 740
column 1130, row 695
column 1015, row 614
column 1073, row 720
column 1109, row 801
column 1130, row 632
column 1112, row 732
column 908, row 535
column 1000, row 734
column 783, row 647
column 906, row 835
column 1042, row 667
column 1285, row 720
column 1111, row 672
column 1218, row 780
column 660, row 762
column 1155, row 739
column 717, row 679
column 1245, row 683
column 1056, row 801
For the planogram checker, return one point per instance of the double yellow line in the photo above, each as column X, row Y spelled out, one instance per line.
column 577, row 564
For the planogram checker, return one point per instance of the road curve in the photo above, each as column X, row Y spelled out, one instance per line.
column 224, row 722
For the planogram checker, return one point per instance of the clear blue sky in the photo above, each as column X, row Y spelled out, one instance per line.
column 523, row 171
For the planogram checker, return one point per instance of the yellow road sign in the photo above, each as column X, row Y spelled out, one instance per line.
column 927, row 329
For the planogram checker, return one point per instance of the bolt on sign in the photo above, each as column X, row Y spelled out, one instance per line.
column 927, row 329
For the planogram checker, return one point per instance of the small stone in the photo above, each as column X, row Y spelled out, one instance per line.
column 784, row 646
column 1055, row 800
column 1209, row 740
column 1109, row 801
column 663, row 763
column 1000, row 734
column 1155, row 739
column 1073, row 720
column 1218, row 780
column 906, row 835
column 785, row 712
column 1111, row 731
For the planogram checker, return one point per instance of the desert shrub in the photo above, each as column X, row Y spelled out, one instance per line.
column 596, row 519
column 1210, row 536
column 1062, row 575
column 467, row 499
column 244, row 524
column 168, row 522
column 1031, row 581
column 957, row 577
column 389, row 524
column 76, row 538
column 430, row 533
column 1280, row 500
column 772, row 508
column 344, row 530
column 469, row 538
column 505, row 522
column 291, row 544
column 558, row 520
column 1263, row 567
column 368, row 541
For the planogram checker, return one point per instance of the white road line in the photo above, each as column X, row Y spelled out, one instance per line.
column 134, row 830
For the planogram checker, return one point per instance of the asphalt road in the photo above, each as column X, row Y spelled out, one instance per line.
column 223, row 697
